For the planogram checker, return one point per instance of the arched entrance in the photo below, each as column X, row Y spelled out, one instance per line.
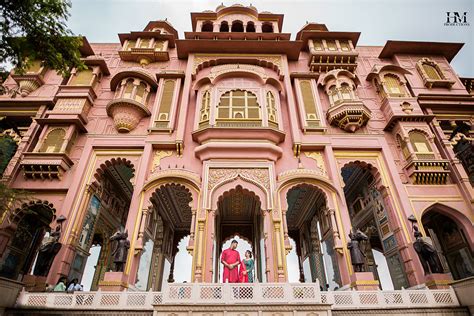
column 451, row 241
column 367, row 211
column 309, row 228
column 169, row 225
column 106, row 212
column 27, row 227
column 239, row 214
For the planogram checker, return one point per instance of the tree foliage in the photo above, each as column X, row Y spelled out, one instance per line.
column 11, row 198
column 37, row 30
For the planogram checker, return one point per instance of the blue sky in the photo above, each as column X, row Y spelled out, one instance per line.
column 377, row 20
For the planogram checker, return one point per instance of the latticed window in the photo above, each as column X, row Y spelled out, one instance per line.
column 346, row 91
column 333, row 95
column 344, row 46
column 393, row 85
column 431, row 71
column 128, row 89
column 54, row 141
column 403, row 146
column 205, row 106
column 238, row 104
column 166, row 100
column 420, row 145
column 331, row 45
column 144, row 43
column 82, row 78
column 308, row 100
column 159, row 45
column 130, row 44
column 271, row 109
column 140, row 93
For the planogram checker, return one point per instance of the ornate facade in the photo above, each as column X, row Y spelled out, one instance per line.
column 237, row 129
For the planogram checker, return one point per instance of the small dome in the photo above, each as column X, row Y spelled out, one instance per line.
column 220, row 7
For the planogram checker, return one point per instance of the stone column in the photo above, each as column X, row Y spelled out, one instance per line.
column 280, row 251
column 198, row 272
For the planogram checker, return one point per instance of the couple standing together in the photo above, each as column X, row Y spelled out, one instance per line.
column 236, row 270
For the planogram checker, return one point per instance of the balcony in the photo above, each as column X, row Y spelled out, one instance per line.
column 126, row 113
column 425, row 169
column 348, row 115
column 139, row 54
column 36, row 165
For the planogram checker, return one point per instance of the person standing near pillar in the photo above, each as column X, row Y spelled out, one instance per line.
column 231, row 259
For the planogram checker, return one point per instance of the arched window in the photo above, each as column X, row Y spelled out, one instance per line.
column 224, row 27
column 144, row 43
column 271, row 110
column 333, row 95
column 237, row 26
column 393, row 85
column 346, row 91
column 308, row 100
column 420, row 145
column 238, row 104
column 140, row 93
column 166, row 101
column 54, row 141
column 205, row 106
column 431, row 71
column 207, row 27
column 159, row 45
column 403, row 146
column 250, row 28
column 130, row 44
column 82, row 78
column 128, row 89
column 267, row 28
column 331, row 45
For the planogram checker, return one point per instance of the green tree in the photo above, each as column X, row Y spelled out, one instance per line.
column 11, row 198
column 36, row 30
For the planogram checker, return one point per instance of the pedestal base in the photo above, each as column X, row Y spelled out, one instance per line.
column 364, row 281
column 34, row 283
column 438, row 280
column 114, row 281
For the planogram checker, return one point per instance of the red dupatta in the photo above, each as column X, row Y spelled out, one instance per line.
column 243, row 278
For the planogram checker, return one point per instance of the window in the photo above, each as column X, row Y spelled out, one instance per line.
column 271, row 110
column 346, row 91
column 128, row 89
column 237, row 26
column 82, row 78
column 267, row 28
column 250, row 27
column 318, row 45
column 331, row 45
column 130, row 44
column 159, row 45
column 224, row 27
column 420, row 145
column 308, row 100
column 393, row 85
column 333, row 95
column 403, row 146
column 54, row 141
column 166, row 100
column 205, row 106
column 207, row 27
column 238, row 104
column 140, row 93
column 144, row 43
column 345, row 46
column 431, row 72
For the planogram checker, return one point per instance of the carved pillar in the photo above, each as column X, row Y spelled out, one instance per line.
column 198, row 277
column 208, row 245
column 335, row 231
column 270, row 267
column 285, row 231
column 171, row 275
column 280, row 252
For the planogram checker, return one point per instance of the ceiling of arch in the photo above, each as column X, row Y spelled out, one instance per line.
column 172, row 203
column 238, row 205
column 303, row 203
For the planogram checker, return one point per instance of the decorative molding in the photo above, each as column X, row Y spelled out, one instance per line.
column 318, row 157
column 159, row 154
column 257, row 175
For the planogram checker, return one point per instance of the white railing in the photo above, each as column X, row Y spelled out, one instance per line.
column 231, row 294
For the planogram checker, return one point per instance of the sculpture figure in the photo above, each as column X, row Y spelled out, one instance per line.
column 47, row 251
column 120, row 249
column 358, row 257
column 426, row 252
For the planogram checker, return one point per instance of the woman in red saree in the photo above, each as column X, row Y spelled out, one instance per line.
column 243, row 276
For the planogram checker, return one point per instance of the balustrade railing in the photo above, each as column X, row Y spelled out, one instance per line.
column 232, row 294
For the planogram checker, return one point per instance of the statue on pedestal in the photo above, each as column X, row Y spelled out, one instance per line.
column 427, row 253
column 120, row 249
column 47, row 251
column 358, row 257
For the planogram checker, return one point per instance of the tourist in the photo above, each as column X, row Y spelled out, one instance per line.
column 74, row 286
column 61, row 285
column 231, row 259
column 249, row 266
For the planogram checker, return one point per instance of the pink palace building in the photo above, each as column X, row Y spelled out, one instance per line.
column 288, row 141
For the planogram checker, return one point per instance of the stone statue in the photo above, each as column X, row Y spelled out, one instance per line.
column 357, row 255
column 120, row 249
column 427, row 253
column 47, row 251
